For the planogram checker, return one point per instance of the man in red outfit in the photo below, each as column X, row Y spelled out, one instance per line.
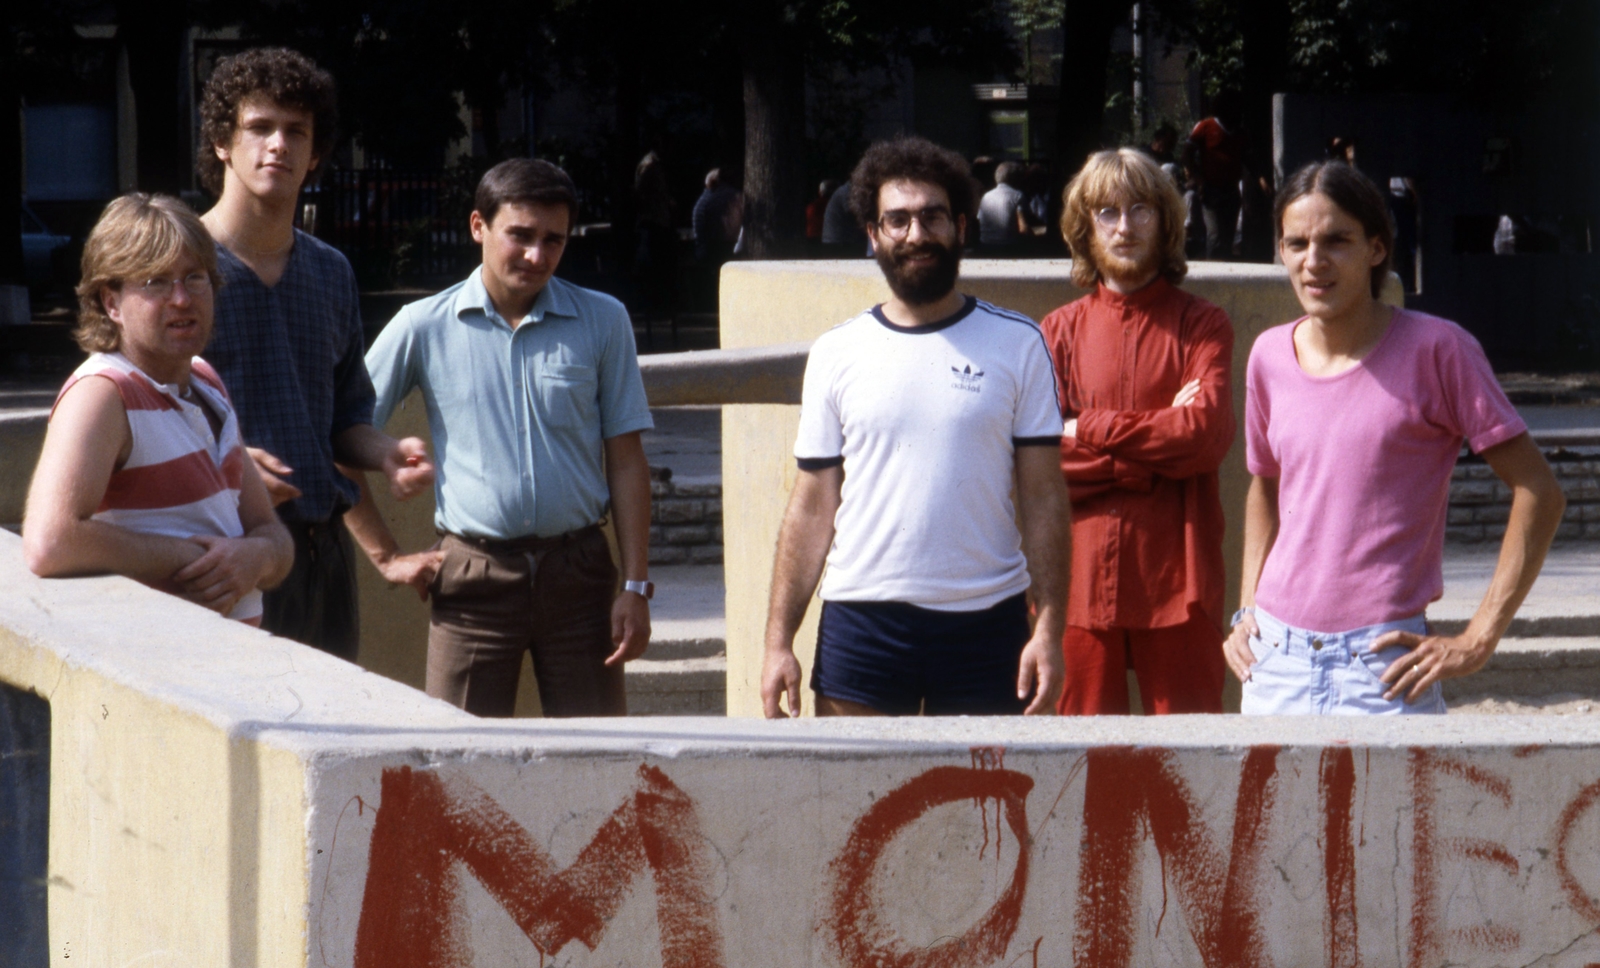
column 1145, row 371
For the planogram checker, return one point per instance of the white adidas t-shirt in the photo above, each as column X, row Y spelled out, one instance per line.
column 926, row 421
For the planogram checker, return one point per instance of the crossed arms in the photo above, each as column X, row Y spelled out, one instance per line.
column 87, row 440
column 1129, row 449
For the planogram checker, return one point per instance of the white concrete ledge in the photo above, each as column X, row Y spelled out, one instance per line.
column 219, row 796
column 766, row 374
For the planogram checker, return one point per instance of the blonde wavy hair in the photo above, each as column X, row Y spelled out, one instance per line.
column 1123, row 176
column 137, row 236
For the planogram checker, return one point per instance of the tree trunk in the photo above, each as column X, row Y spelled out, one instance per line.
column 1086, row 53
column 1264, row 32
column 154, row 34
column 12, row 270
column 774, row 134
column 625, row 153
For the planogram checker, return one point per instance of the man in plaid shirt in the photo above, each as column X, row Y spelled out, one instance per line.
column 288, row 337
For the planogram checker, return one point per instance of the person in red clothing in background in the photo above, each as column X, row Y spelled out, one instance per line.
column 1217, row 149
column 1145, row 371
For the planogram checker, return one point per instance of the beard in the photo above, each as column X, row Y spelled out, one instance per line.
column 921, row 285
column 1113, row 266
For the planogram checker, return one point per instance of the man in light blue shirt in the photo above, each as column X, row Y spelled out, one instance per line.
column 535, row 404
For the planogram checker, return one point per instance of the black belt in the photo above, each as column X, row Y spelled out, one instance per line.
column 529, row 543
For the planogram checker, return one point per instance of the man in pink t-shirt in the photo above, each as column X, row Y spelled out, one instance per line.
column 1354, row 417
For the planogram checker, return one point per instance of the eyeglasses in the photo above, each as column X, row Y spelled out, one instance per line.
column 160, row 288
column 1139, row 214
column 896, row 223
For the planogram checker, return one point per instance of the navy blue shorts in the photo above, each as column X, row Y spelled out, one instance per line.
column 903, row 659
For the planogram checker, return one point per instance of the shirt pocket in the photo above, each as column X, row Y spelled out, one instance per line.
column 569, row 393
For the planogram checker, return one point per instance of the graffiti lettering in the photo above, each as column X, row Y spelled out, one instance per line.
column 1216, row 887
column 433, row 829
column 859, row 934
column 1337, row 790
column 425, row 825
column 1429, row 850
column 1582, row 901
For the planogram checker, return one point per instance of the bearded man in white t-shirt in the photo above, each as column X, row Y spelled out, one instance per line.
column 918, row 421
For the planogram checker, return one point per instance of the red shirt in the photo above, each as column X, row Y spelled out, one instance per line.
column 1221, row 152
column 814, row 216
column 1146, row 507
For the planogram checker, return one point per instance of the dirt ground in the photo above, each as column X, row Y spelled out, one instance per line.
column 1555, row 704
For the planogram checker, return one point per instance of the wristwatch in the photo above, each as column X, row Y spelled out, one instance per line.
column 645, row 588
column 1240, row 614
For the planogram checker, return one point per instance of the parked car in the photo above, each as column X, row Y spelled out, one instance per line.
column 42, row 250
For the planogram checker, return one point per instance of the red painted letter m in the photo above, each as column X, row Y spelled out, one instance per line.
column 428, row 829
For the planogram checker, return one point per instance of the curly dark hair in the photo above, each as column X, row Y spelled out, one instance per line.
column 287, row 77
column 909, row 158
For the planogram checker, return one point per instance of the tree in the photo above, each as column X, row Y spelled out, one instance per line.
column 153, row 33
column 1491, row 55
column 1031, row 17
column 1087, row 26
column 779, row 41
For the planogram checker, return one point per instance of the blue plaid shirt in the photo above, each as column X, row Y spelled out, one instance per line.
column 291, row 356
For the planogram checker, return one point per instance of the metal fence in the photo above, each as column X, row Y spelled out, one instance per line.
column 393, row 226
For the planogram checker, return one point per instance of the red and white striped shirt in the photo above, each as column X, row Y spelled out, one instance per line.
column 179, row 479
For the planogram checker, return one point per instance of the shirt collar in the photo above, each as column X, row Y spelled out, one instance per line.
column 553, row 299
column 1142, row 299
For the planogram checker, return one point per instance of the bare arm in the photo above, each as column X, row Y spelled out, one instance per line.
column 404, row 462
column 273, row 473
column 803, row 543
column 232, row 568
column 372, row 533
column 1260, row 531
column 88, row 436
column 628, row 479
column 1046, row 520
column 1536, row 507
column 260, row 521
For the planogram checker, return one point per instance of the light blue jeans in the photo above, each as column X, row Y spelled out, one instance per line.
column 1301, row 672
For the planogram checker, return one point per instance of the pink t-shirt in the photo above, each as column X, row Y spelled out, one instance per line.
column 1363, row 462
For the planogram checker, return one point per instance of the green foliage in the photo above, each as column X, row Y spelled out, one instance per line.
column 1032, row 17
column 401, row 64
column 1490, row 53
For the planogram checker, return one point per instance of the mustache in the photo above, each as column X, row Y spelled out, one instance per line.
column 927, row 248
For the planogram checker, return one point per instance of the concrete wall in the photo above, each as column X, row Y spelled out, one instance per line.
column 770, row 303
column 221, row 797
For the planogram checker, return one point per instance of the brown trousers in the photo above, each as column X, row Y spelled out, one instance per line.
column 495, row 600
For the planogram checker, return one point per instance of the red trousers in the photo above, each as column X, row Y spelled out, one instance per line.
column 1179, row 669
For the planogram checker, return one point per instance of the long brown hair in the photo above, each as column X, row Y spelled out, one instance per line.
column 1125, row 176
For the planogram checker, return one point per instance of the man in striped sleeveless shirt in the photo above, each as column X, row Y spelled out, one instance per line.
column 142, row 472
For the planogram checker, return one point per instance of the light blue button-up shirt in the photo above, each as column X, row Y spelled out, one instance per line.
column 518, row 417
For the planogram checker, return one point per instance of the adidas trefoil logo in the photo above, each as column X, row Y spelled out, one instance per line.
column 968, row 380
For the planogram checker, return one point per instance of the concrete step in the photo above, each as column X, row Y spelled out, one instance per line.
column 684, row 686
column 1529, row 668
column 1531, row 626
